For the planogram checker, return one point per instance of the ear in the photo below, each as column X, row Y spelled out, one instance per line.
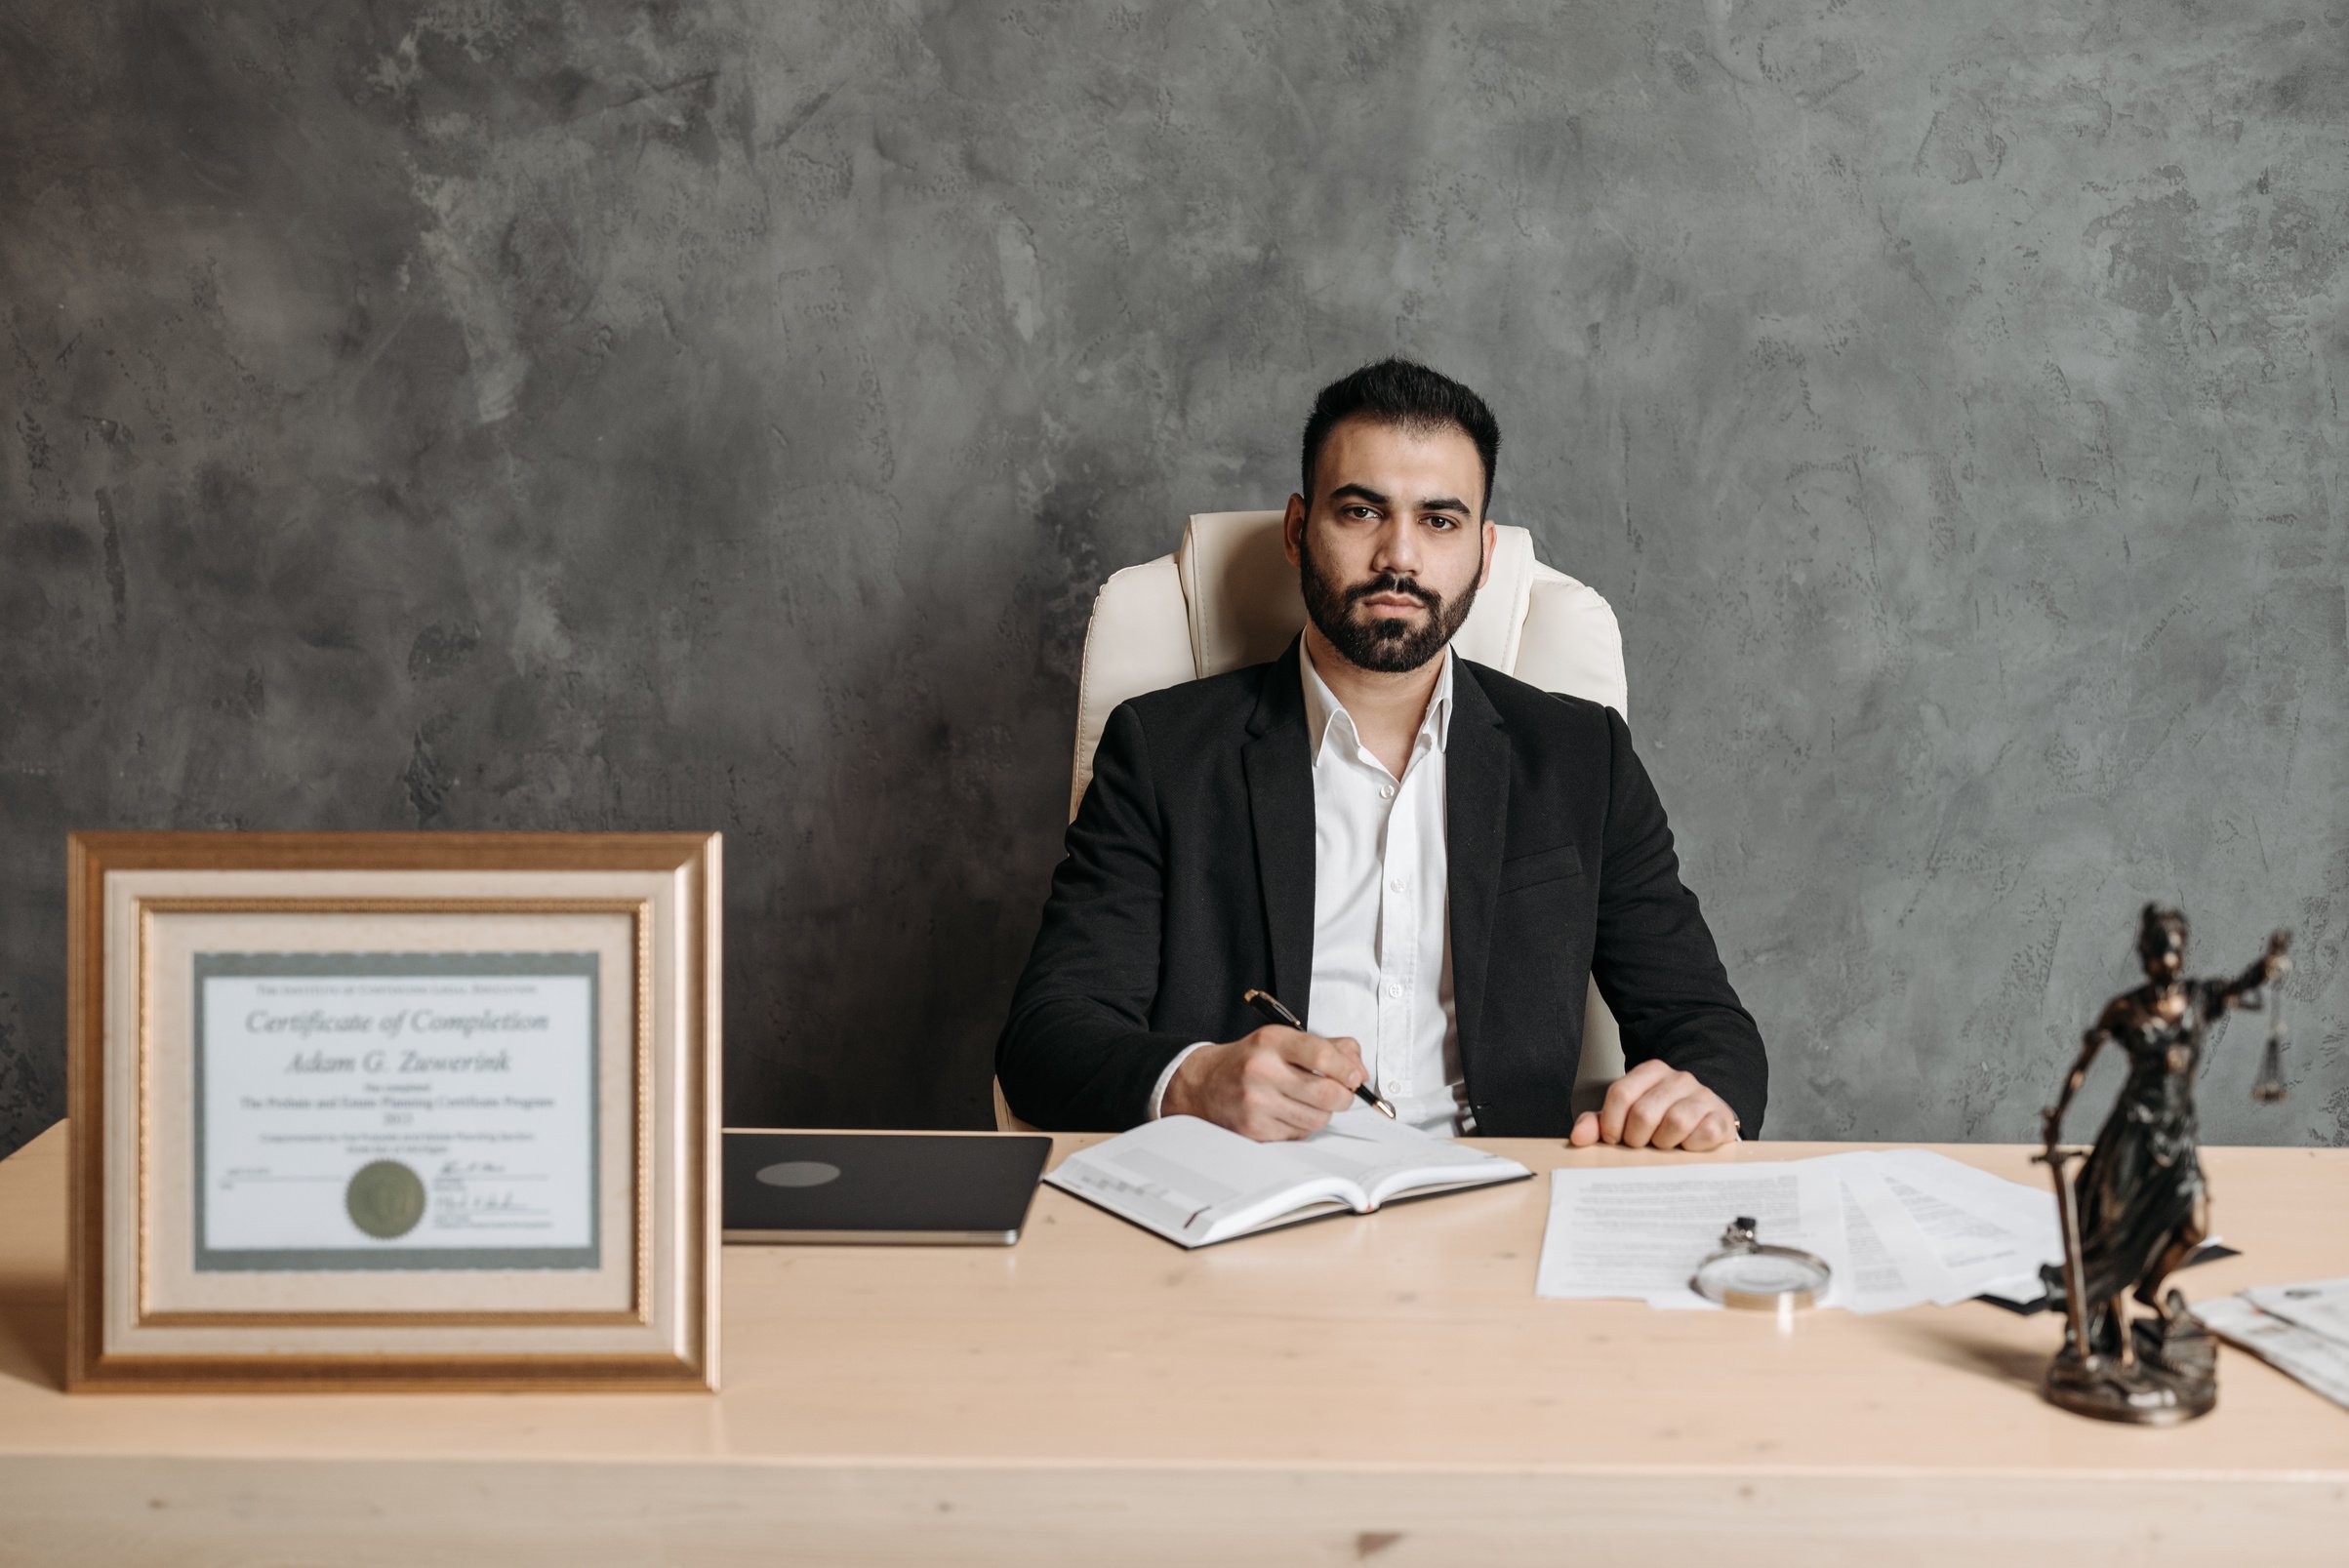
column 1292, row 529
column 1492, row 542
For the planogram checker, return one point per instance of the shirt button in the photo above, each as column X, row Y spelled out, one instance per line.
column 1386, row 791
column 1394, row 988
column 1396, row 883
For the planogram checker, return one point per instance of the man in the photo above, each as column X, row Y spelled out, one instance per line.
column 1422, row 855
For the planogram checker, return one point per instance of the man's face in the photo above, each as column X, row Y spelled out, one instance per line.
column 1391, row 549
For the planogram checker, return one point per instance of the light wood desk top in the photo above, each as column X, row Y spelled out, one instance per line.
column 1307, row 1390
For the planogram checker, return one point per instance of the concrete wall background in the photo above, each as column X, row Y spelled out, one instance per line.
column 717, row 415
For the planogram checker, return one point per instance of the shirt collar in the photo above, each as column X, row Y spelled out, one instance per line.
column 1323, row 710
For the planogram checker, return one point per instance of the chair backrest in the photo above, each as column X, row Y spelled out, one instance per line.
column 1227, row 598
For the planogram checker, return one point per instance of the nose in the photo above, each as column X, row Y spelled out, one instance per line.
column 1398, row 549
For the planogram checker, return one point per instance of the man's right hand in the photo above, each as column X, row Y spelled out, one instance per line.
column 1276, row 1084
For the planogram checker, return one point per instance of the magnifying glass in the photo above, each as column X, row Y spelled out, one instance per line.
column 1754, row 1276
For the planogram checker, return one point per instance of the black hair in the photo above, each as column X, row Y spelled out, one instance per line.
column 1401, row 392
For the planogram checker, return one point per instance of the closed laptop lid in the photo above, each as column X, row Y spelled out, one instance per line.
column 909, row 1188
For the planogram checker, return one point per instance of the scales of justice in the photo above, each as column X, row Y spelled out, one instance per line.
column 2138, row 1209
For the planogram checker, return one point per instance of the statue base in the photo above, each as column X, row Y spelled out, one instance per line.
column 2172, row 1378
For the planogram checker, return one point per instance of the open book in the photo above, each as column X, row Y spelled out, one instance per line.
column 1195, row 1182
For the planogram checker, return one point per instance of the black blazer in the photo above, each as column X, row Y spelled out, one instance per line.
column 1189, row 878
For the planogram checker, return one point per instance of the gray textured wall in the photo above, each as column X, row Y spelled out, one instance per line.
column 717, row 415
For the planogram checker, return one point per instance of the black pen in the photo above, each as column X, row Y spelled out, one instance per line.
column 1269, row 1005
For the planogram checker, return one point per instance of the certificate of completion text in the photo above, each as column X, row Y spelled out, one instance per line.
column 396, row 1111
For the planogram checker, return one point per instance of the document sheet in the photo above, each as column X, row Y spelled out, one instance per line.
column 1641, row 1233
column 2302, row 1331
column 1896, row 1229
column 2321, row 1305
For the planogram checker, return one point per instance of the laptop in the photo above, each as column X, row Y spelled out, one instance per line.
column 907, row 1188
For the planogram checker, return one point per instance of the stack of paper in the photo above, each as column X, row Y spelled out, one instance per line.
column 1897, row 1228
column 2300, row 1330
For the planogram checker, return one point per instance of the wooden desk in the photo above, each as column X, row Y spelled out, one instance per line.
column 1384, row 1389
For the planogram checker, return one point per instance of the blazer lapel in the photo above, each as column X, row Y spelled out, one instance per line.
column 1280, row 804
column 1475, row 810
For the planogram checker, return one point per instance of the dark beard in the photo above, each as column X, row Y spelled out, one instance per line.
column 1389, row 647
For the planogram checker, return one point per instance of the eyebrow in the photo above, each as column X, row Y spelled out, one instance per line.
column 1434, row 503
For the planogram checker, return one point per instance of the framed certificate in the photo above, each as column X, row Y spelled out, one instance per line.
column 393, row 1110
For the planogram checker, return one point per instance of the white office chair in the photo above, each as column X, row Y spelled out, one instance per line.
column 1228, row 597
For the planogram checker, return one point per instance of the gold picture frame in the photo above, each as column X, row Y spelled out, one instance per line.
column 214, row 1242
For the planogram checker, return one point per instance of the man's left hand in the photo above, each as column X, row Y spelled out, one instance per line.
column 1656, row 1105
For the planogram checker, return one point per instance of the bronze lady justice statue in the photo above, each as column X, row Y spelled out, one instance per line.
column 2138, row 1208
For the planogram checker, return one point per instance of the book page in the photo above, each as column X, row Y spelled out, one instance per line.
column 1364, row 1125
column 1383, row 1158
column 1191, row 1181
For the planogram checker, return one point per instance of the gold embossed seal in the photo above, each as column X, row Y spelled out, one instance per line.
column 385, row 1199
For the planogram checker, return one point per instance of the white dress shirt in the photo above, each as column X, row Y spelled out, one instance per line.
column 1382, row 936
